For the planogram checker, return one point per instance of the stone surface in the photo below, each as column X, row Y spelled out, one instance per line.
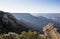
column 51, row 32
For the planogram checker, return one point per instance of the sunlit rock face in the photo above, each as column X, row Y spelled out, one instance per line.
column 50, row 31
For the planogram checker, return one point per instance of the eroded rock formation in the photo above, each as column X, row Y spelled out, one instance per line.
column 51, row 32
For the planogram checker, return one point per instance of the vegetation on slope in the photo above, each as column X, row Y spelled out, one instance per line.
column 24, row 35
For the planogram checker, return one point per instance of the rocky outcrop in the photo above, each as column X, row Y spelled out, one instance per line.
column 51, row 32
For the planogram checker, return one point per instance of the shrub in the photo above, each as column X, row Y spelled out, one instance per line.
column 23, row 35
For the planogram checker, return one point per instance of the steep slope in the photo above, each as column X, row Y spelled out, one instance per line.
column 8, row 23
column 35, row 23
column 24, row 22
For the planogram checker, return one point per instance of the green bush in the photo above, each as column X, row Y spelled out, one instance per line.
column 24, row 35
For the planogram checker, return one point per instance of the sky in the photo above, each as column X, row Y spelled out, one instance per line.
column 30, row 6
